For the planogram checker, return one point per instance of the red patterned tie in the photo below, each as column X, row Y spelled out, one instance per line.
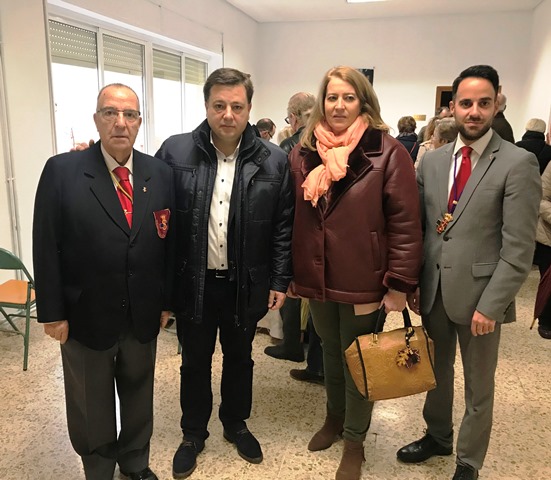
column 461, row 179
column 124, row 191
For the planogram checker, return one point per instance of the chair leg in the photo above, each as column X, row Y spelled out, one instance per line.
column 26, row 339
column 8, row 316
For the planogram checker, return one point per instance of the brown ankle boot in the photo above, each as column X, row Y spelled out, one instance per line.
column 350, row 467
column 326, row 436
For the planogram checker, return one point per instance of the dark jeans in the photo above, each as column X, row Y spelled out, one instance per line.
column 198, row 344
column 290, row 317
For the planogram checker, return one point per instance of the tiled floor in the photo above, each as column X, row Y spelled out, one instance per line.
column 34, row 443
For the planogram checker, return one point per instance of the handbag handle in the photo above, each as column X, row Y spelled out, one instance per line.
column 382, row 317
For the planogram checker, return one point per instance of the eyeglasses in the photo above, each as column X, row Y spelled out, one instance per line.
column 287, row 121
column 111, row 114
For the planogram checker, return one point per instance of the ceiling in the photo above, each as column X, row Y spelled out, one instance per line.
column 315, row 10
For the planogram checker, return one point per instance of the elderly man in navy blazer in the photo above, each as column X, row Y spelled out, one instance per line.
column 479, row 199
column 102, row 260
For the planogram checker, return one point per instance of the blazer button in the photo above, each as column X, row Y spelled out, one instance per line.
column 446, row 239
column 437, row 266
column 130, row 273
column 123, row 304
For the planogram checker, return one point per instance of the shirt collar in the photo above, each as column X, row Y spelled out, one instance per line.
column 221, row 156
column 111, row 163
column 478, row 147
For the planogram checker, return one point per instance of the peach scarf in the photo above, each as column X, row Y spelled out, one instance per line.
column 334, row 151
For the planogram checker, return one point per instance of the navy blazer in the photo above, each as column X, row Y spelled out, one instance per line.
column 90, row 267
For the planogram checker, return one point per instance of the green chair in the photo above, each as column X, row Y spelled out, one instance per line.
column 18, row 295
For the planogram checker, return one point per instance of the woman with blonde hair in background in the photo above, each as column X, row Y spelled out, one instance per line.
column 356, row 240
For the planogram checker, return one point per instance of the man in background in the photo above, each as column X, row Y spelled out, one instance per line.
column 479, row 200
column 500, row 124
column 298, row 111
column 266, row 128
column 103, row 269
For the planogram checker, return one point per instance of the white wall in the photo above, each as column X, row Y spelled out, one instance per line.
column 411, row 57
column 537, row 94
column 23, row 35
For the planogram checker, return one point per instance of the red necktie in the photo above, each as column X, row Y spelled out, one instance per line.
column 124, row 191
column 461, row 179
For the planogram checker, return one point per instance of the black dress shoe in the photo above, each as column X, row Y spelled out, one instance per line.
column 545, row 332
column 145, row 474
column 185, row 458
column 247, row 445
column 281, row 353
column 305, row 375
column 465, row 472
column 422, row 450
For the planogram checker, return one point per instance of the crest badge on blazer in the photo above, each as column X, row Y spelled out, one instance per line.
column 161, row 221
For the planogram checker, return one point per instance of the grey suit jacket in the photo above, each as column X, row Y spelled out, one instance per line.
column 485, row 253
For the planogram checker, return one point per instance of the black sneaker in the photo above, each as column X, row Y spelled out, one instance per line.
column 247, row 445
column 185, row 458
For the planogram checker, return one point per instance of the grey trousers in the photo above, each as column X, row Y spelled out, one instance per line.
column 479, row 357
column 90, row 378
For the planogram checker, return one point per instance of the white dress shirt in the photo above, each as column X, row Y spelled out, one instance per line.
column 478, row 148
column 217, row 257
column 111, row 164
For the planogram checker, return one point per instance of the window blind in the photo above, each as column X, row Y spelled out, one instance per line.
column 196, row 71
column 122, row 56
column 167, row 66
column 72, row 45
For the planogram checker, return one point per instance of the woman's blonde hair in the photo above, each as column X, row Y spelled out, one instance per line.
column 369, row 103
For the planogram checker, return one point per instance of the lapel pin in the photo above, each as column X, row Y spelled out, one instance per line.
column 144, row 189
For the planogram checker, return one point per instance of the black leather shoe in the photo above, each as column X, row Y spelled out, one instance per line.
column 145, row 474
column 305, row 375
column 279, row 352
column 422, row 450
column 247, row 445
column 185, row 458
column 544, row 331
column 465, row 472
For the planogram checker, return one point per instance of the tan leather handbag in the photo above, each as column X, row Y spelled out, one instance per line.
column 392, row 364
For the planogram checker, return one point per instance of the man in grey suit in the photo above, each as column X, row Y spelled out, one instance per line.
column 478, row 247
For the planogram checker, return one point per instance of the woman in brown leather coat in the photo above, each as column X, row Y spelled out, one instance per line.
column 356, row 240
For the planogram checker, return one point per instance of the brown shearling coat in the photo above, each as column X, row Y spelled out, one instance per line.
column 365, row 235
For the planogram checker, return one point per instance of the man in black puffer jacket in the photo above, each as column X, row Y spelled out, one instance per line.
column 234, row 214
